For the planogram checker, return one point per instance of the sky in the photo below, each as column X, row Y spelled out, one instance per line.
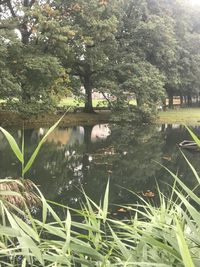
column 194, row 2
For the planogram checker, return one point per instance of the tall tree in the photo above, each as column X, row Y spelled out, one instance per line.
column 189, row 55
column 95, row 25
column 136, row 74
column 37, row 72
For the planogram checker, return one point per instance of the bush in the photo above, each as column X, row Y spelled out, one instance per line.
column 135, row 114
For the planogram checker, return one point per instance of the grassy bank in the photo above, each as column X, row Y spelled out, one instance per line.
column 13, row 119
column 188, row 116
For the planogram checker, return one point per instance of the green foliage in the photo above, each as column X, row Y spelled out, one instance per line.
column 141, row 49
column 8, row 82
column 142, row 80
column 95, row 25
column 138, row 115
column 33, row 78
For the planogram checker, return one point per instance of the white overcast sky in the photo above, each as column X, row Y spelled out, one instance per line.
column 194, row 2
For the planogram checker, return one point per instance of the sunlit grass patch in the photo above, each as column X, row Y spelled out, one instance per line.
column 189, row 116
column 72, row 102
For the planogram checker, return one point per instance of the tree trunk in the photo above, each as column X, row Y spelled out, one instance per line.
column 87, row 136
column 189, row 100
column 25, row 32
column 185, row 99
column 139, row 101
column 171, row 104
column 198, row 98
column 26, row 97
column 163, row 128
column 85, row 159
column 169, row 127
column 181, row 100
column 164, row 104
column 88, row 96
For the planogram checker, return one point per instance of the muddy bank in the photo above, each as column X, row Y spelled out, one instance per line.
column 11, row 119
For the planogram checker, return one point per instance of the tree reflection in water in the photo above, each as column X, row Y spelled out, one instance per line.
column 86, row 157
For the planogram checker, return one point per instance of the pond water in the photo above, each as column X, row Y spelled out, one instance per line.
column 86, row 157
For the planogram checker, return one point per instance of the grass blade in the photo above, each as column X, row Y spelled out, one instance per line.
column 193, row 135
column 187, row 260
column 13, row 144
column 105, row 203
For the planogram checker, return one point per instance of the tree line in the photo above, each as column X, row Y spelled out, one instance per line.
column 146, row 49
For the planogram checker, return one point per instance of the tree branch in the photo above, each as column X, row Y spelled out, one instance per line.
column 3, row 2
column 26, row 3
column 107, row 99
column 11, row 8
column 8, row 26
column 32, row 3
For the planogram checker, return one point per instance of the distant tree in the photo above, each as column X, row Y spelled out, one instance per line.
column 184, row 80
column 189, row 57
column 135, row 73
column 149, row 32
column 141, row 80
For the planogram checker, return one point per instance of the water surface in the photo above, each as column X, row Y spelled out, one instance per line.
column 86, row 157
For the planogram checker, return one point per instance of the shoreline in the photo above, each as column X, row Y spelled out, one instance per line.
column 188, row 116
column 12, row 119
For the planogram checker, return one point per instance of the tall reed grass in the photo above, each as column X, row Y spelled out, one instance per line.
column 162, row 236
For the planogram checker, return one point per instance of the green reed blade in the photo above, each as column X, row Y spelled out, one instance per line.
column 13, row 144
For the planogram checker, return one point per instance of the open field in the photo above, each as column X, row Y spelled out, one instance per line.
column 71, row 102
column 189, row 116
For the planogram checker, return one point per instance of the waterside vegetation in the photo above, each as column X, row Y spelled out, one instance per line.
column 33, row 234
column 164, row 235
column 188, row 116
column 135, row 56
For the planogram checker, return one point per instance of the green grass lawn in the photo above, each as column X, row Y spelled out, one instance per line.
column 189, row 116
column 71, row 102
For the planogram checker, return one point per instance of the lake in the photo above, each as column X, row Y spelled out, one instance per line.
column 87, row 157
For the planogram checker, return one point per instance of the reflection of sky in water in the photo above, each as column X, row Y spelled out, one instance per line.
column 65, row 136
column 99, row 132
column 70, row 136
